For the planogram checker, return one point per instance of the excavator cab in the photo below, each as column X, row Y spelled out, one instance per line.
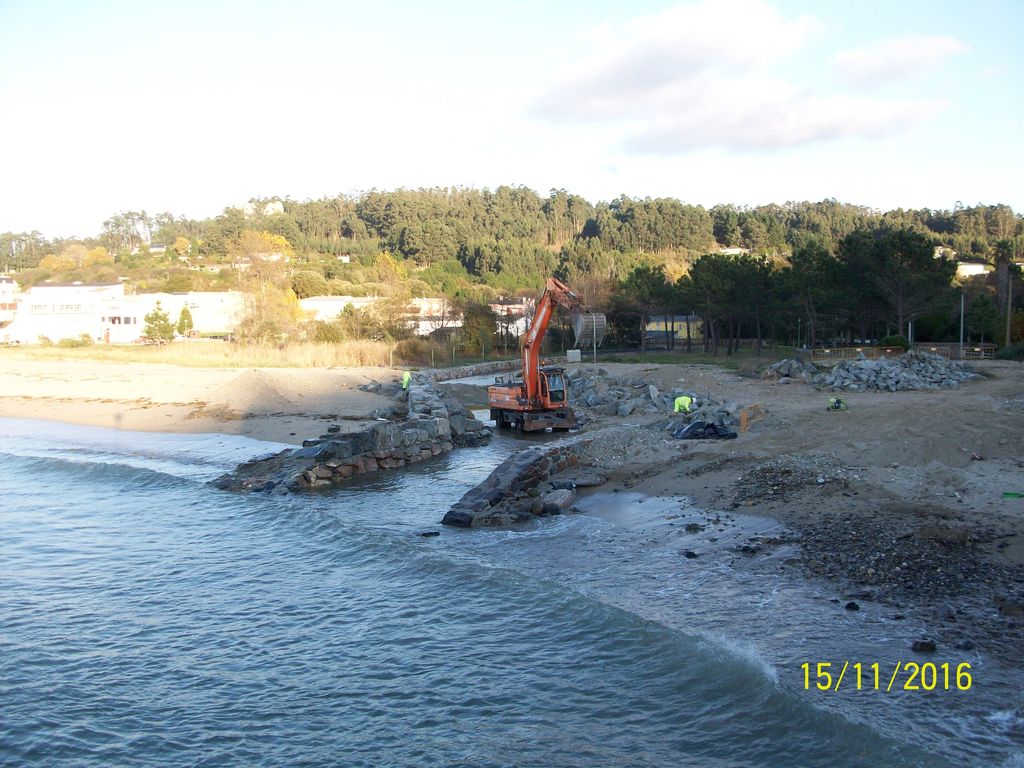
column 553, row 387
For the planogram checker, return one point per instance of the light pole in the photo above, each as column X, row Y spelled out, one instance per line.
column 1009, row 301
column 961, row 324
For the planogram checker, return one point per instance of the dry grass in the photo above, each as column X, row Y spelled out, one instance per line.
column 220, row 354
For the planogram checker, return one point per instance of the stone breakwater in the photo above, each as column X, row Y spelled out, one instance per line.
column 523, row 486
column 479, row 369
column 433, row 425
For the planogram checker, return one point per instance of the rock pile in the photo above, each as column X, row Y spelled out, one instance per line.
column 913, row 370
column 595, row 390
column 607, row 395
column 789, row 369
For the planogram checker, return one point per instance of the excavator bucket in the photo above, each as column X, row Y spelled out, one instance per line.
column 589, row 328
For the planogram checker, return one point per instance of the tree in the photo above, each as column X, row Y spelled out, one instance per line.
column 181, row 247
column 308, row 283
column 983, row 317
column 56, row 264
column 809, row 280
column 479, row 327
column 185, row 321
column 97, row 255
column 647, row 289
column 158, row 325
column 910, row 276
column 272, row 309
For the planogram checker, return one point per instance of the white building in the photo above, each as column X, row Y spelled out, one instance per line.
column 56, row 311
column 432, row 313
column 965, row 269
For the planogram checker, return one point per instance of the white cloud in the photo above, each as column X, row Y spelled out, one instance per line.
column 893, row 58
column 755, row 112
column 704, row 75
column 651, row 53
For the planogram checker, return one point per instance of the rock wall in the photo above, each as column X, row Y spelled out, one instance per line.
column 480, row 369
column 434, row 425
column 511, row 493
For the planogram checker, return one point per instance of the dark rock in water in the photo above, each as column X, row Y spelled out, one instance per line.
column 693, row 528
column 852, row 606
column 923, row 646
column 1010, row 607
column 964, row 645
column 334, row 428
column 223, row 482
column 689, row 554
column 428, row 534
column 861, row 595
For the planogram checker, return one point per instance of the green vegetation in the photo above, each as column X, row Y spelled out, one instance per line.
column 158, row 325
column 1013, row 352
column 894, row 341
column 799, row 273
column 184, row 321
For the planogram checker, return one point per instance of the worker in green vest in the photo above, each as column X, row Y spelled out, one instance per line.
column 683, row 403
column 406, row 378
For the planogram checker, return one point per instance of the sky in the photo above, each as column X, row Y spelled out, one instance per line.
column 197, row 105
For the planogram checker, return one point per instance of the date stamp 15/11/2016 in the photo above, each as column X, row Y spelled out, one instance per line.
column 903, row 676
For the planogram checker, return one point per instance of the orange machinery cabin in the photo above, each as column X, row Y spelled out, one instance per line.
column 511, row 409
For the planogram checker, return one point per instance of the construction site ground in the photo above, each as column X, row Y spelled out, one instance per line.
column 898, row 501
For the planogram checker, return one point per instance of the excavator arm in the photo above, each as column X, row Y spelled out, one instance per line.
column 555, row 293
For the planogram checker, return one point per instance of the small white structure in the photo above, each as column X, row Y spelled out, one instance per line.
column 965, row 269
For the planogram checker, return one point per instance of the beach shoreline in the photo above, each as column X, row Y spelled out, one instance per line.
column 281, row 405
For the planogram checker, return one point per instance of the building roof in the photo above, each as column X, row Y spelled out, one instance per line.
column 77, row 284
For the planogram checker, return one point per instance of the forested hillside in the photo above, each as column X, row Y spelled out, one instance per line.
column 827, row 269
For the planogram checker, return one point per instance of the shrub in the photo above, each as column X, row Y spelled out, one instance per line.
column 895, row 341
column 308, row 283
column 420, row 352
column 325, row 332
column 1012, row 352
column 82, row 341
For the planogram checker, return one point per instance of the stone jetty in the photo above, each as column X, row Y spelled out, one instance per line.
column 433, row 424
column 524, row 485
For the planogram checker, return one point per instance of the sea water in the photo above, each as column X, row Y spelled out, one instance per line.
column 149, row 619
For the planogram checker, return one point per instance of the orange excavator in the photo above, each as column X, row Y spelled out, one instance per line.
column 538, row 398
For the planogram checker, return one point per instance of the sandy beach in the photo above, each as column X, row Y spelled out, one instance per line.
column 284, row 405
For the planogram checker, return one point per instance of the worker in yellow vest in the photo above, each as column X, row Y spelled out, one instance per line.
column 406, row 378
column 683, row 403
